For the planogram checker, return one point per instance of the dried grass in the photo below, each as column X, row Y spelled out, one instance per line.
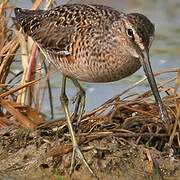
column 20, row 104
column 14, row 44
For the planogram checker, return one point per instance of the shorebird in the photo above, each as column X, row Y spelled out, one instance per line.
column 92, row 43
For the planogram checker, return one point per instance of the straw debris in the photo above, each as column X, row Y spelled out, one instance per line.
column 124, row 137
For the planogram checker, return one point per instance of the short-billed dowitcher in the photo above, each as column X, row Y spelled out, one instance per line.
column 92, row 43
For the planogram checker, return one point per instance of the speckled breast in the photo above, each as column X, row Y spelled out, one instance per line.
column 94, row 69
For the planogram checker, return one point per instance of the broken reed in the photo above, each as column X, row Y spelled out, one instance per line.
column 22, row 93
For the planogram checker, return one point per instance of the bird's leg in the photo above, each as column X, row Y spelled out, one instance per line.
column 76, row 149
column 80, row 101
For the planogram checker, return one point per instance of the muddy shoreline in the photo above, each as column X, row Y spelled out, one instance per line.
column 114, row 153
column 124, row 138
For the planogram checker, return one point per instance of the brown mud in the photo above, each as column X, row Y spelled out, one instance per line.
column 121, row 139
column 123, row 144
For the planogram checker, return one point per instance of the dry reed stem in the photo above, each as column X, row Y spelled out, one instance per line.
column 2, row 24
column 25, row 122
column 29, row 68
column 97, row 123
column 6, row 61
column 176, row 126
column 13, row 90
column 109, row 102
column 28, row 58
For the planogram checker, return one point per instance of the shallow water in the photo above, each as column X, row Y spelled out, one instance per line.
column 164, row 53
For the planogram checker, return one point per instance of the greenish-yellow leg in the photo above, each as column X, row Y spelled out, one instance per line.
column 80, row 101
column 76, row 149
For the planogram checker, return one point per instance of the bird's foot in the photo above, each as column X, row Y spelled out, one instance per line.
column 78, row 153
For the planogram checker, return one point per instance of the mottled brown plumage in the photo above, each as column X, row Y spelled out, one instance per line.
column 88, row 42
column 92, row 43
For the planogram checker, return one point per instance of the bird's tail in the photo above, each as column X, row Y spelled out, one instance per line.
column 24, row 17
column 25, row 14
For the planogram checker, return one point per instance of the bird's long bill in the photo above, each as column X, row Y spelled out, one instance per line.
column 148, row 71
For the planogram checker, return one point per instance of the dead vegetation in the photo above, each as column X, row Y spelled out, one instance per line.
column 108, row 133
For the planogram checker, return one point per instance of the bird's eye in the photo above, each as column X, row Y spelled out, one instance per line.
column 130, row 33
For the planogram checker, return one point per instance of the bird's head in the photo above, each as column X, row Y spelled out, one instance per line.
column 139, row 33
